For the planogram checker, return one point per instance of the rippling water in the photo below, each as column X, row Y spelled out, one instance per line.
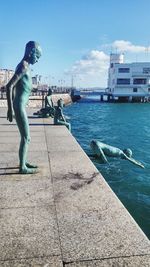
column 120, row 125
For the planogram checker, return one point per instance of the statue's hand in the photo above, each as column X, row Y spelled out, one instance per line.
column 9, row 115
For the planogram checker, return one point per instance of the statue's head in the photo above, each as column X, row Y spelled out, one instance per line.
column 60, row 103
column 128, row 152
column 50, row 91
column 33, row 52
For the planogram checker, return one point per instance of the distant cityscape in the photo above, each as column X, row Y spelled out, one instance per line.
column 127, row 82
column 6, row 75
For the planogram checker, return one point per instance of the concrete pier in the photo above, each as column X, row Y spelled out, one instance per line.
column 66, row 214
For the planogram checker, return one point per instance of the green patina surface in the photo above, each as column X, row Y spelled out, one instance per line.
column 18, row 92
column 59, row 118
column 102, row 150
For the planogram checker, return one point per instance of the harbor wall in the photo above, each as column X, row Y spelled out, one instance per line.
column 38, row 101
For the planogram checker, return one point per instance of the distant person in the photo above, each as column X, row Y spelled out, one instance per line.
column 18, row 92
column 102, row 150
column 59, row 118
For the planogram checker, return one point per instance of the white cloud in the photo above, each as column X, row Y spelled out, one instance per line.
column 92, row 68
column 92, row 63
column 126, row 46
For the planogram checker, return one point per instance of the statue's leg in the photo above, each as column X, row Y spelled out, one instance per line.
column 28, row 165
column 23, row 125
column 51, row 112
column 69, row 126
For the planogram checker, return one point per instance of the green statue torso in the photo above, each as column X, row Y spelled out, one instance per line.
column 24, row 85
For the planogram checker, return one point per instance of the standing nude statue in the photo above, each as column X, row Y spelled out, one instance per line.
column 102, row 150
column 18, row 92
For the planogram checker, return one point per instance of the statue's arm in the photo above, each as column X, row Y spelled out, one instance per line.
column 137, row 163
column 9, row 91
column 102, row 155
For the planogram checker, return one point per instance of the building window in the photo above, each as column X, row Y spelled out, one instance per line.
column 123, row 70
column 111, row 65
column 135, row 90
column 146, row 70
column 148, row 89
column 123, row 81
column 139, row 81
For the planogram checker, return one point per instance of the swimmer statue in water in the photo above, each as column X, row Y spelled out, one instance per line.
column 102, row 150
column 18, row 92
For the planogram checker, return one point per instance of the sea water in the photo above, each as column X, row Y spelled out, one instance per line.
column 125, row 125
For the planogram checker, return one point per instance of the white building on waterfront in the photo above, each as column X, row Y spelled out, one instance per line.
column 128, row 81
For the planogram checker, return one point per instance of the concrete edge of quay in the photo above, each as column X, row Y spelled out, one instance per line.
column 66, row 214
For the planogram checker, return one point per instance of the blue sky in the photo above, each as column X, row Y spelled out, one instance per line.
column 76, row 36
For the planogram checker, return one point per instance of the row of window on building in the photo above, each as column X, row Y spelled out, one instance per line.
column 127, row 70
column 127, row 81
column 134, row 90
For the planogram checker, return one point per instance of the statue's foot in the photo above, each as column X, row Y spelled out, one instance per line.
column 28, row 165
column 27, row 171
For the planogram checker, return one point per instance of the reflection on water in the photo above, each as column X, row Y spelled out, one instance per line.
column 120, row 125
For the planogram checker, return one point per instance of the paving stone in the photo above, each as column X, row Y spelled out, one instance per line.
column 14, row 128
column 6, row 128
column 38, row 157
column 54, row 261
column 92, row 221
column 25, row 193
column 28, row 232
column 136, row 261
column 15, row 147
column 67, row 143
column 16, row 139
column 9, row 166
column 56, row 130
column 9, row 134
column 70, row 163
